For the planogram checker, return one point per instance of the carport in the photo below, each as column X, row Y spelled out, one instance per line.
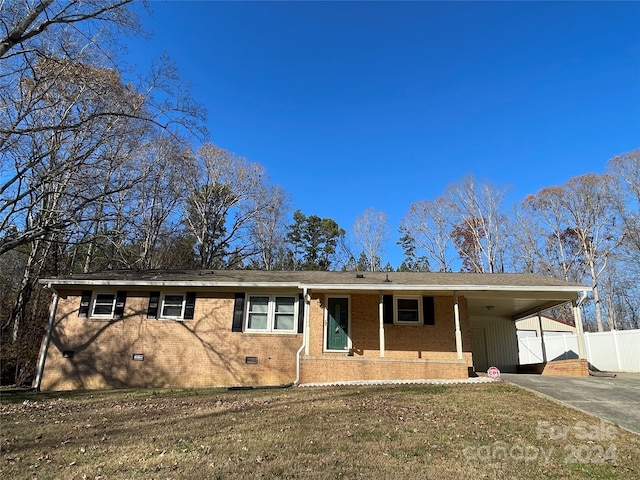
column 494, row 311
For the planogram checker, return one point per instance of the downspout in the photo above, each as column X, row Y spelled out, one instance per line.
column 582, row 298
column 381, row 325
column 307, row 303
column 45, row 342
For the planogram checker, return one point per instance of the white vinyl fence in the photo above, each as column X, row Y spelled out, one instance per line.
column 614, row 351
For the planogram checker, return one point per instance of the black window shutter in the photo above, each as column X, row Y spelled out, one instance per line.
column 387, row 308
column 84, row 303
column 301, row 305
column 154, row 300
column 428, row 311
column 238, row 313
column 121, row 298
column 189, row 305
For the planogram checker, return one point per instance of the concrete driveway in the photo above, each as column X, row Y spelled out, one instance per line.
column 616, row 400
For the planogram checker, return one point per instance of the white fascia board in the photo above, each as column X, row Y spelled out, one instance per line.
column 167, row 283
column 300, row 285
column 452, row 288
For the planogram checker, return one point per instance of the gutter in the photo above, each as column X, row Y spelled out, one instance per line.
column 45, row 342
column 318, row 286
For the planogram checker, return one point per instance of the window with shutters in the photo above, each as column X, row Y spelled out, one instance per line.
column 103, row 304
column 408, row 310
column 271, row 313
column 171, row 305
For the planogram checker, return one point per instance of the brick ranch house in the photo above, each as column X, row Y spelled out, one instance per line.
column 118, row 329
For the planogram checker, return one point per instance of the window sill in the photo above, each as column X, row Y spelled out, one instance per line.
column 265, row 332
column 103, row 319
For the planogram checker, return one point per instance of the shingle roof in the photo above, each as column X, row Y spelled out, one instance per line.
column 319, row 279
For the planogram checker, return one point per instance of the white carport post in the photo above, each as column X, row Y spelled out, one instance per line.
column 577, row 319
column 542, row 344
column 381, row 321
column 456, row 316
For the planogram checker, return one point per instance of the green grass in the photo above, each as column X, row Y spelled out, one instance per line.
column 444, row 432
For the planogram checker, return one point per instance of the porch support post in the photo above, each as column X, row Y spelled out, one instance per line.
column 456, row 316
column 542, row 344
column 577, row 319
column 381, row 322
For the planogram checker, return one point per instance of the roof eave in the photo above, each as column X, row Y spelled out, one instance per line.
column 311, row 286
column 166, row 283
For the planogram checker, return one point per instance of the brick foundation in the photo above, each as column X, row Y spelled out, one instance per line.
column 320, row 369
column 567, row 368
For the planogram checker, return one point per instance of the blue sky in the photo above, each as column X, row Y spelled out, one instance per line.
column 381, row 104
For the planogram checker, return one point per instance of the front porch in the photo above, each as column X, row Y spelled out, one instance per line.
column 363, row 336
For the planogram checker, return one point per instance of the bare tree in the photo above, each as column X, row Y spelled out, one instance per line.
column 623, row 281
column 72, row 132
column 57, row 95
column 619, row 285
column 159, row 200
column 269, row 231
column 479, row 229
column 428, row 225
column 60, row 179
column 525, row 242
column 130, row 223
column 53, row 177
column 44, row 41
column 626, row 171
column 369, row 233
column 24, row 21
column 582, row 212
column 228, row 195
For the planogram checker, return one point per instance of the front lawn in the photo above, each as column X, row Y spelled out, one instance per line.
column 446, row 432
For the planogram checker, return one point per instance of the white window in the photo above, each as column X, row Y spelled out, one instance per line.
column 172, row 305
column 271, row 313
column 408, row 310
column 103, row 305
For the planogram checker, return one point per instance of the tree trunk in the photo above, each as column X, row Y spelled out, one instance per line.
column 596, row 297
column 24, row 293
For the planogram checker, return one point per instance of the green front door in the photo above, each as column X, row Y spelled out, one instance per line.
column 338, row 324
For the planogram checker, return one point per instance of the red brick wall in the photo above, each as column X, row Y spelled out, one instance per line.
column 205, row 352
column 323, row 369
column 190, row 353
column 411, row 352
column 567, row 368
